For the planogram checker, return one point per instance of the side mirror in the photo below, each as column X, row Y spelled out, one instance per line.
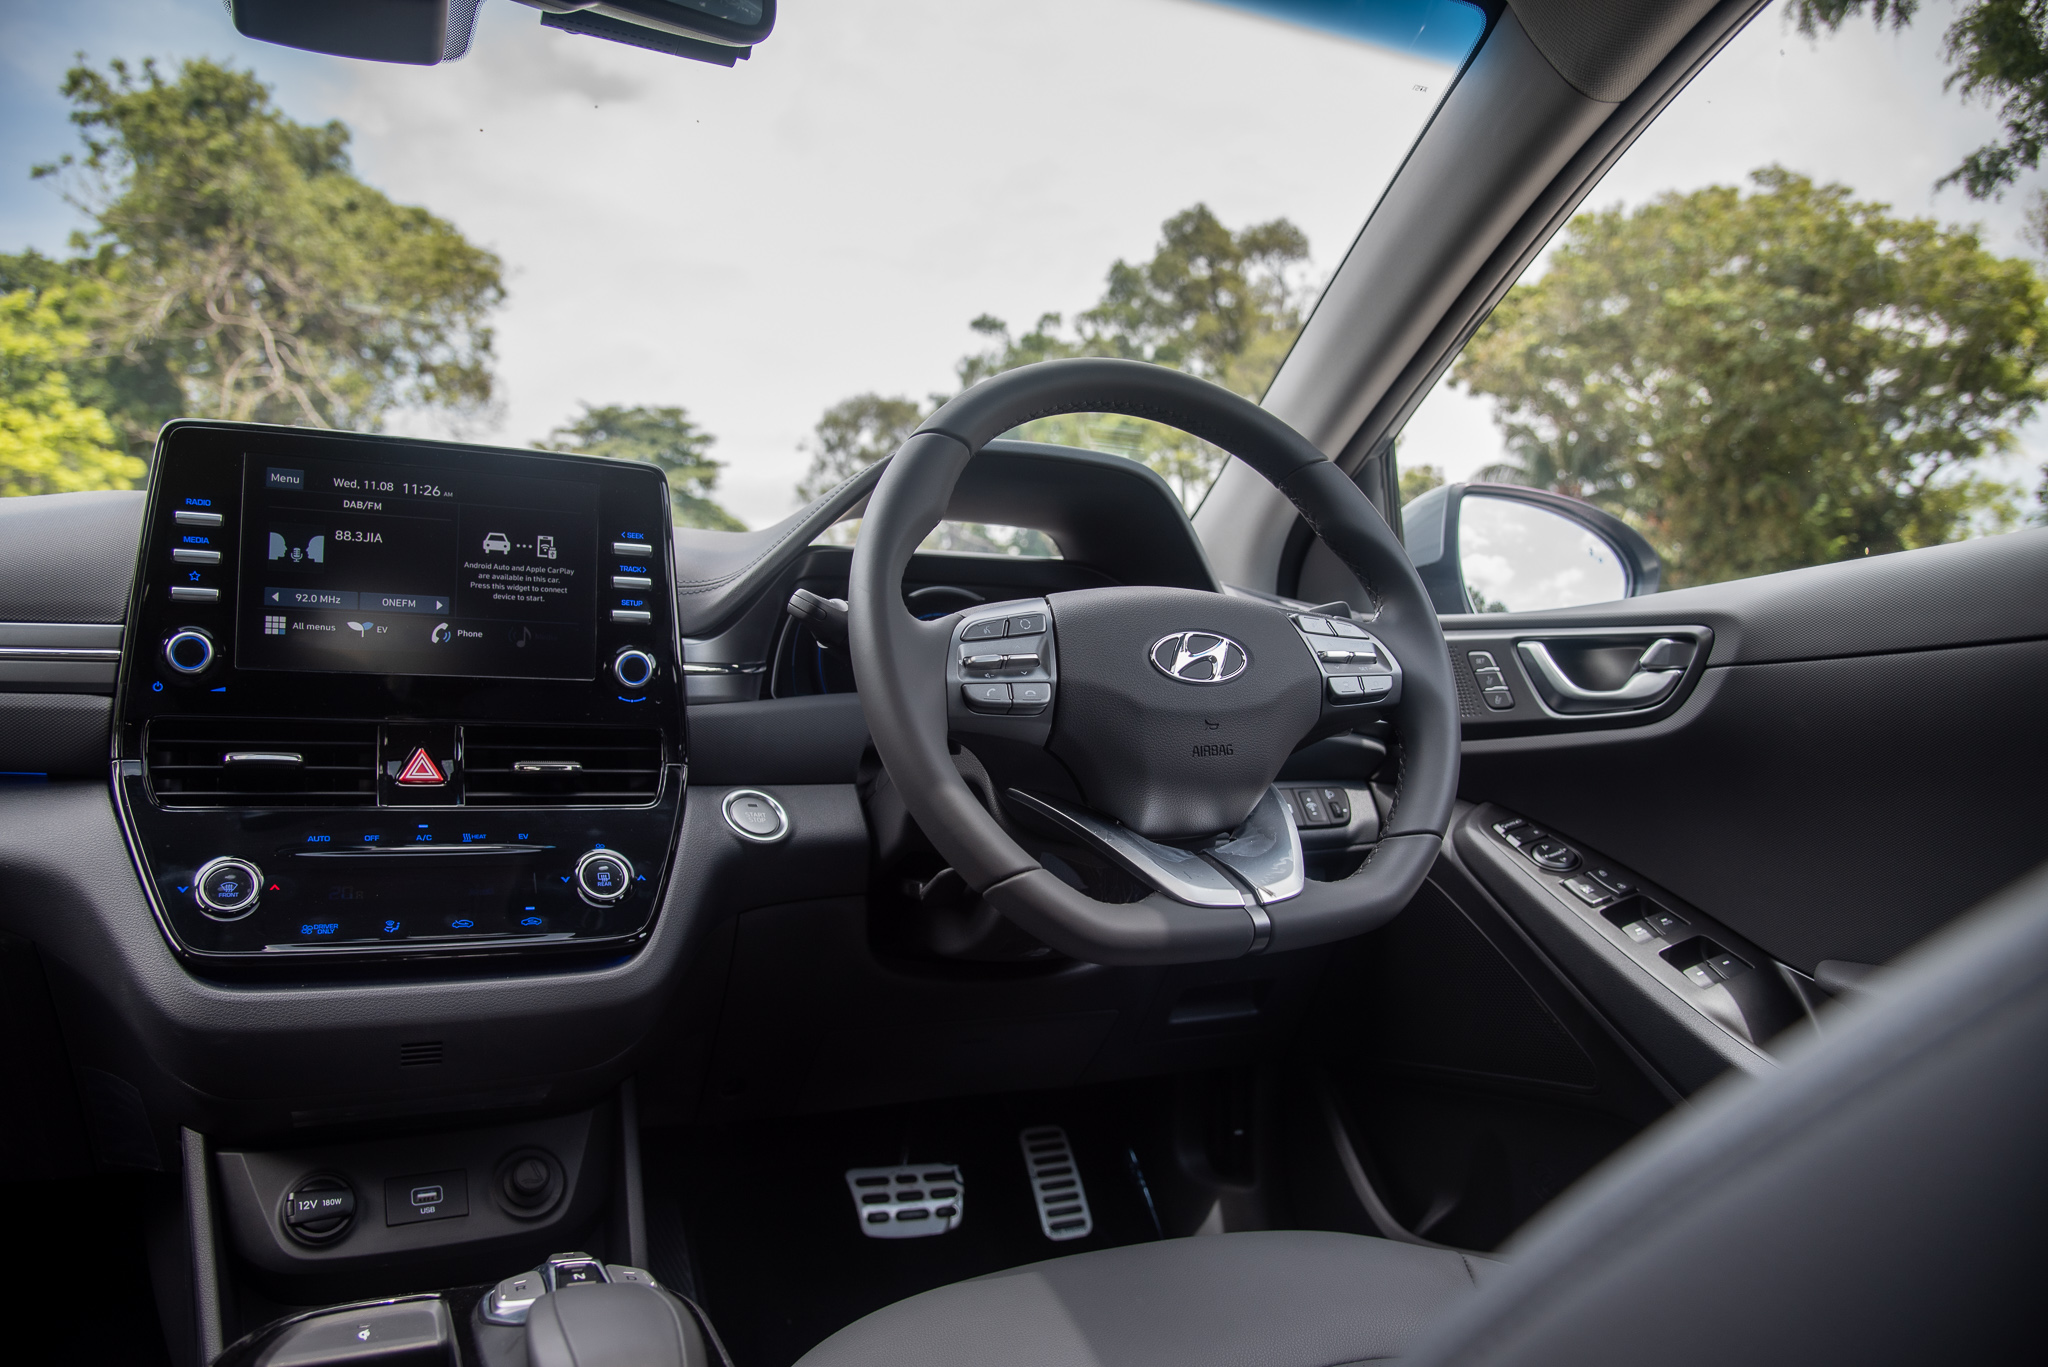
column 1506, row 548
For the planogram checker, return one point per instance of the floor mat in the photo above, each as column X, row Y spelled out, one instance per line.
column 773, row 1245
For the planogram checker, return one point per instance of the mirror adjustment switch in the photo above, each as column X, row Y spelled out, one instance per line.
column 1554, row 855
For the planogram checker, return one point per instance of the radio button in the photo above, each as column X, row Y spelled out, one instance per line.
column 603, row 877
column 188, row 518
column 188, row 650
column 226, row 888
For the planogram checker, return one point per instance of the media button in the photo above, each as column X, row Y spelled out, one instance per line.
column 192, row 556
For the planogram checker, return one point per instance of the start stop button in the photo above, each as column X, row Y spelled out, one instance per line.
column 755, row 816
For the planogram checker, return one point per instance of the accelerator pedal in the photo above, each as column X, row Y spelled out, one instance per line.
column 910, row 1201
column 1056, row 1184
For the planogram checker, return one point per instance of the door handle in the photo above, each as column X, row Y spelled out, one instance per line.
column 1641, row 689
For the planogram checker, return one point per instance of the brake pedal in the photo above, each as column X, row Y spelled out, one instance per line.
column 1056, row 1183
column 909, row 1201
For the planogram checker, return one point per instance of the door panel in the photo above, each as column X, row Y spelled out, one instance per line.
column 1858, row 764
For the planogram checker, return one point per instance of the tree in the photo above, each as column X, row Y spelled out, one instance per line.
column 1417, row 480
column 852, row 435
column 235, row 255
column 1769, row 380
column 663, row 437
column 1997, row 49
column 48, row 443
column 1219, row 304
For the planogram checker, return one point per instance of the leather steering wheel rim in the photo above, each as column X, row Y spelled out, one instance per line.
column 899, row 663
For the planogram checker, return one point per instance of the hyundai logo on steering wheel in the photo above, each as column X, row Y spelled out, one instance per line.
column 1199, row 657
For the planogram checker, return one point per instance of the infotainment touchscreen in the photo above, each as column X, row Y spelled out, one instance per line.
column 389, row 569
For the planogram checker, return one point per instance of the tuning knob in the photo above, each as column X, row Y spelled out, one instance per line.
column 633, row 668
column 189, row 650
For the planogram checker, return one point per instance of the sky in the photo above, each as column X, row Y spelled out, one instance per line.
column 825, row 218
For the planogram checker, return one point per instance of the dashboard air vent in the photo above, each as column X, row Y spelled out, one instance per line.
column 560, row 766
column 226, row 762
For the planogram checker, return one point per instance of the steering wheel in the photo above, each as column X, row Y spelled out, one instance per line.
column 1172, row 709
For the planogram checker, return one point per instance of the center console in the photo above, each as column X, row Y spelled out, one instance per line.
column 392, row 702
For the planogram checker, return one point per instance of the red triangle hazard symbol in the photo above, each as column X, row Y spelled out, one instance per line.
column 421, row 769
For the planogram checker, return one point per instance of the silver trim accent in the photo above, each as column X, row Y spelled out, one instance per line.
column 1643, row 689
column 59, row 653
column 781, row 832
column 1182, row 875
column 1266, row 852
column 726, row 670
column 1183, row 659
column 546, row 766
column 214, row 910
column 275, row 758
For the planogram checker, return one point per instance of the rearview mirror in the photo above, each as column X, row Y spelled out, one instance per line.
column 1506, row 548
column 427, row 32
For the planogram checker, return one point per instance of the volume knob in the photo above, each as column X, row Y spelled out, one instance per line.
column 633, row 668
column 188, row 650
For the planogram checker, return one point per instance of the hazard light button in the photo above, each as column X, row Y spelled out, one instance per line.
column 422, row 769
column 417, row 766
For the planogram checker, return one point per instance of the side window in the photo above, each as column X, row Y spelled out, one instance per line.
column 1782, row 332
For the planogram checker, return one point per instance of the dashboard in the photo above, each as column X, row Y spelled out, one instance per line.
column 391, row 701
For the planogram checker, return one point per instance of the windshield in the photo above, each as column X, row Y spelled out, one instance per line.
column 759, row 277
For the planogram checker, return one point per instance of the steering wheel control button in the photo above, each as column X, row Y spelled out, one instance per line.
column 604, row 877
column 986, row 697
column 320, row 1210
column 990, row 630
column 426, row 1196
column 1030, row 697
column 189, row 651
column 1026, row 624
column 633, row 668
column 1315, row 626
column 755, row 816
column 185, row 593
column 227, row 888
